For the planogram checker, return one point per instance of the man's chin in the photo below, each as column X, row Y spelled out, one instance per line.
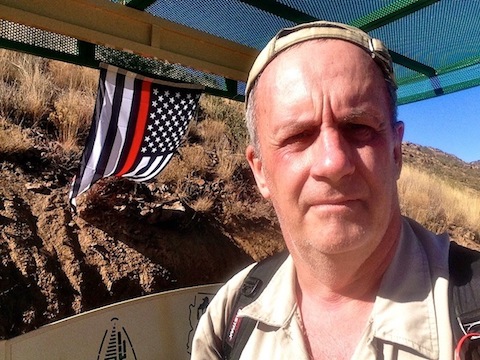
column 338, row 239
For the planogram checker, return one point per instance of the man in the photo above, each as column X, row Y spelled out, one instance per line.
column 361, row 281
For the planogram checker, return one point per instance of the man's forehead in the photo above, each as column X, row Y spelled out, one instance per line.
column 318, row 61
column 311, row 76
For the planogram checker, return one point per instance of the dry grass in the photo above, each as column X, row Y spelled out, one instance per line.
column 7, row 106
column 193, row 161
column 72, row 116
column 34, row 91
column 9, row 72
column 30, row 88
column 13, row 139
column 437, row 204
column 214, row 134
column 68, row 77
column 196, row 159
column 228, row 163
column 203, row 204
column 231, row 113
column 174, row 173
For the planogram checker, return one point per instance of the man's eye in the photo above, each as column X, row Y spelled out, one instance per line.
column 300, row 136
column 359, row 132
column 299, row 139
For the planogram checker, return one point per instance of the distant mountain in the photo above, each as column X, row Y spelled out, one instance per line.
column 475, row 163
column 446, row 166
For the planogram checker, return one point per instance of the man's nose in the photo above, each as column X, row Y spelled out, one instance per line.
column 331, row 156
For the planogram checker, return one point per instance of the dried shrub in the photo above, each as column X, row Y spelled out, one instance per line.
column 192, row 161
column 253, row 209
column 8, row 71
column 174, row 173
column 228, row 163
column 7, row 98
column 232, row 114
column 34, row 89
column 203, row 204
column 13, row 139
column 72, row 116
column 214, row 135
column 195, row 158
column 70, row 77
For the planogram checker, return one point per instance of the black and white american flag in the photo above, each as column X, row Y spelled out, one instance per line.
column 137, row 126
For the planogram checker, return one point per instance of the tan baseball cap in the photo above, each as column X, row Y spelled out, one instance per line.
column 288, row 37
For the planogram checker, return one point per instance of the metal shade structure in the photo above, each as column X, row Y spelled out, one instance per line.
column 435, row 44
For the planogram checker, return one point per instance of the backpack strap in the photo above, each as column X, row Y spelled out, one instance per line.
column 236, row 335
column 464, row 287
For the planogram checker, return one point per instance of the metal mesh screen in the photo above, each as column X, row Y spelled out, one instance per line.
column 27, row 35
column 442, row 37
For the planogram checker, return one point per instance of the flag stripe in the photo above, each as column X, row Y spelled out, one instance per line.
column 154, row 169
column 100, row 133
column 143, row 167
column 122, row 125
column 110, row 135
column 139, row 129
column 130, row 125
column 139, row 164
column 87, row 153
column 159, row 167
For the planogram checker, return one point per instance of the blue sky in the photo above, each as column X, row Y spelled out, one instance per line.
column 450, row 123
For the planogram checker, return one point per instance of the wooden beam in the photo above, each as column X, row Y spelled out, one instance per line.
column 120, row 27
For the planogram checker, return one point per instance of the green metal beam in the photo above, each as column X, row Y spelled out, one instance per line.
column 446, row 90
column 390, row 13
column 281, row 10
column 86, row 58
column 413, row 64
column 86, row 51
column 140, row 4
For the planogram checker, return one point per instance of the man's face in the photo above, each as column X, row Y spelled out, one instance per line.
column 329, row 157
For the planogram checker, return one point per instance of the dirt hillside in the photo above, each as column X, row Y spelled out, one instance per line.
column 120, row 245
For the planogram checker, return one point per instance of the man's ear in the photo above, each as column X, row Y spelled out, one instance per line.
column 257, row 168
column 398, row 131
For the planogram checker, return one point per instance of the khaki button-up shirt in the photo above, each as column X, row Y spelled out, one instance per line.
column 410, row 317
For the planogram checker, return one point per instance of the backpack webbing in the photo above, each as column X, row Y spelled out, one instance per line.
column 464, row 288
column 464, row 265
column 237, row 333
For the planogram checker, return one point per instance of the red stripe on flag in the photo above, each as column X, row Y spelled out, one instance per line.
column 139, row 128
